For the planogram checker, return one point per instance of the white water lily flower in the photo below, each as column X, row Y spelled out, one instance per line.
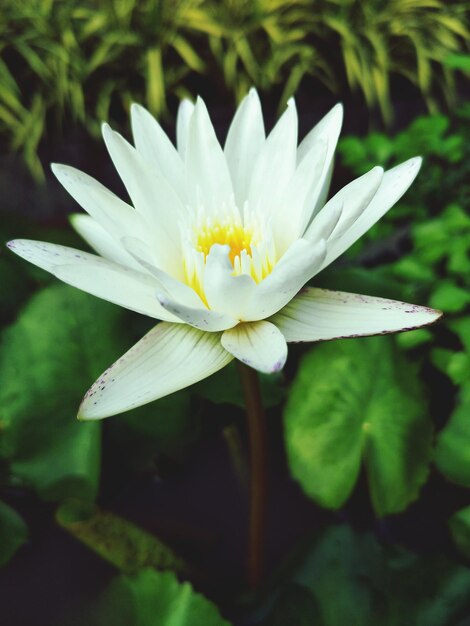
column 218, row 244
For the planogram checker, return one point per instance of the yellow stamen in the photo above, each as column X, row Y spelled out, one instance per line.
column 236, row 236
column 247, row 253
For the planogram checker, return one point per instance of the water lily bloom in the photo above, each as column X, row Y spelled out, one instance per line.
column 218, row 245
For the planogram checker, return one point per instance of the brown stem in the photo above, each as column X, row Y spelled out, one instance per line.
column 256, row 421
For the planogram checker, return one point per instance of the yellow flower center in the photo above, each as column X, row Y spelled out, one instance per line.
column 250, row 247
column 236, row 236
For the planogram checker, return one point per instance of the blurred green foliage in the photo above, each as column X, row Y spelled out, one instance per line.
column 366, row 406
column 13, row 532
column 436, row 268
column 63, row 62
column 150, row 598
column 40, row 438
column 126, row 546
column 356, row 581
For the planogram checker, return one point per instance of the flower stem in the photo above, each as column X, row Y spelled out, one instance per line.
column 256, row 421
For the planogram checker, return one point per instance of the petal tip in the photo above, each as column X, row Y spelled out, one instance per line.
column 436, row 315
column 60, row 170
column 106, row 130
column 83, row 412
column 88, row 411
column 184, row 104
column 339, row 108
column 414, row 163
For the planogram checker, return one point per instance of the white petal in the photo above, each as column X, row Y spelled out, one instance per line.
column 352, row 200
column 183, row 119
column 394, row 184
column 154, row 145
column 275, row 164
column 319, row 314
column 292, row 210
column 99, row 239
column 209, row 182
column 298, row 265
column 329, row 127
column 114, row 215
column 202, row 318
column 115, row 283
column 244, row 141
column 226, row 293
column 324, row 223
column 169, row 357
column 152, row 196
column 171, row 287
column 257, row 344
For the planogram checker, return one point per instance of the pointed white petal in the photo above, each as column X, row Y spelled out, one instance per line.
column 169, row 357
column 99, row 239
column 226, row 293
column 275, row 164
column 154, row 145
column 114, row 215
column 257, row 344
column 394, row 184
column 244, row 141
column 183, row 118
column 202, row 318
column 209, row 182
column 153, row 197
column 353, row 199
column 115, row 283
column 298, row 265
column 319, row 314
column 171, row 287
column 330, row 128
column 292, row 210
column 324, row 223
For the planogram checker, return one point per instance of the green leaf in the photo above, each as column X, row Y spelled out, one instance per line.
column 462, row 328
column 155, row 81
column 343, row 588
column 125, row 545
column 295, row 605
column 355, row 581
column 459, row 525
column 155, row 599
column 369, row 282
column 456, row 365
column 452, row 455
column 353, row 400
column 414, row 339
column 60, row 343
column 458, row 61
column 13, row 532
column 14, row 289
column 413, row 269
column 449, row 297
